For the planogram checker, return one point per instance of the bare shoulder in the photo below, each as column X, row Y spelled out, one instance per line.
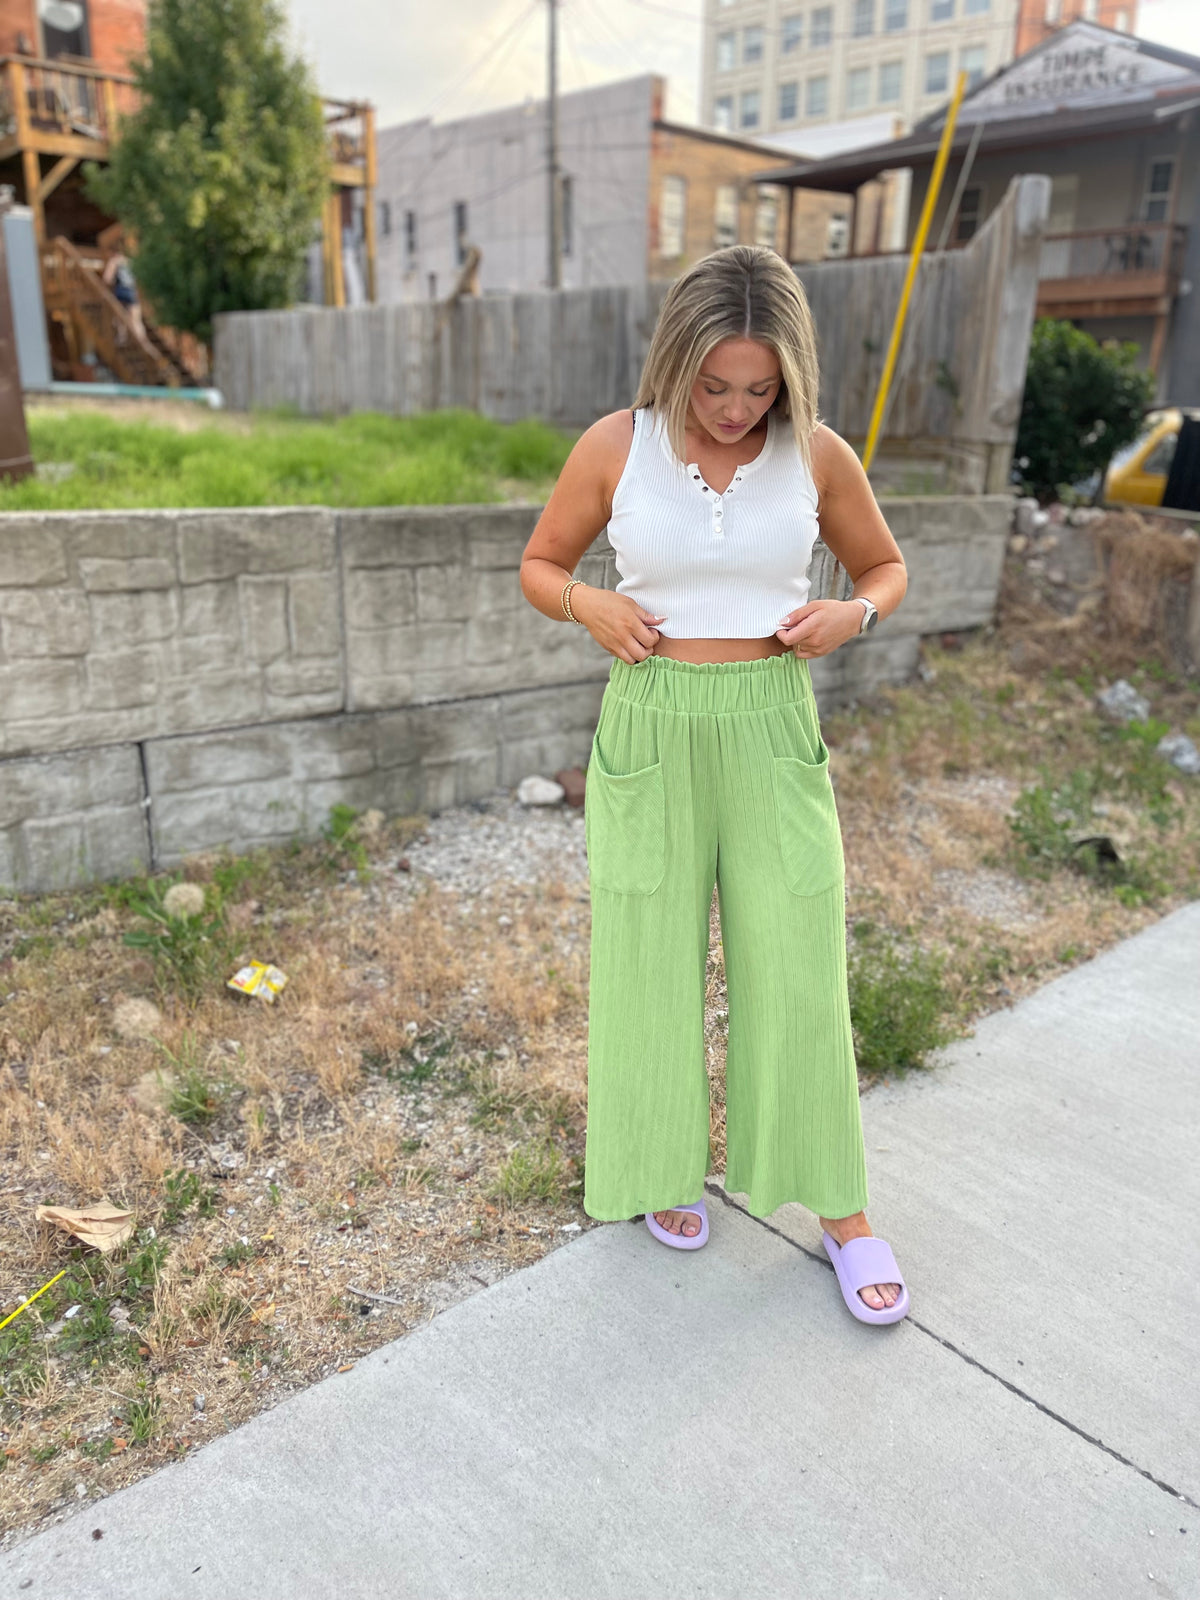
column 835, row 465
column 600, row 453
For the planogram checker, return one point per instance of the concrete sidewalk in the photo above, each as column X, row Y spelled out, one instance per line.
column 623, row 1423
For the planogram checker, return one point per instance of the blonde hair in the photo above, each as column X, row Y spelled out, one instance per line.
column 743, row 292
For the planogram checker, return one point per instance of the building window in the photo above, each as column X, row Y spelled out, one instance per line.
column 976, row 8
column 725, row 216
column 891, row 79
column 567, row 212
column 752, row 45
column 895, row 15
column 816, row 97
column 723, row 113
column 941, row 10
column 385, row 218
column 460, row 231
column 858, row 88
column 1158, row 191
column 726, row 52
column 64, row 28
column 837, row 234
column 1090, row 10
column 410, row 237
column 937, row 72
column 750, row 111
column 766, row 218
column 973, row 62
column 672, row 210
column 791, row 34
column 1121, row 24
column 789, row 101
column 970, row 208
column 1053, row 11
column 820, row 28
column 432, row 282
column 864, row 18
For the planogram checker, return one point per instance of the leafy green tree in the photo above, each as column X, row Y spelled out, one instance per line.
column 221, row 172
column 1082, row 402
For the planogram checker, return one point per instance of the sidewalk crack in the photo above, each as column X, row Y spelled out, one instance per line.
column 718, row 1192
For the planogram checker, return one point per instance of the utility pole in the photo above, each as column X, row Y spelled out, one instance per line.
column 554, row 195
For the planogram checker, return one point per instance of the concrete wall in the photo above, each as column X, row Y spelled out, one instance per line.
column 174, row 681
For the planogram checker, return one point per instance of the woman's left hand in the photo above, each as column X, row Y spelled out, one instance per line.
column 818, row 628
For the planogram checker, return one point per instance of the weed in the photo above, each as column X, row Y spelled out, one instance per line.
column 142, row 1417
column 899, row 1004
column 183, row 1190
column 188, row 951
column 346, row 846
column 1046, row 822
column 219, row 1311
column 534, row 1171
column 195, row 1096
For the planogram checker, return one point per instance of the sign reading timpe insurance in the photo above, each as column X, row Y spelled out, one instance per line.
column 1083, row 65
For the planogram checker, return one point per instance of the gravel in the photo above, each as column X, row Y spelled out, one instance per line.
column 472, row 848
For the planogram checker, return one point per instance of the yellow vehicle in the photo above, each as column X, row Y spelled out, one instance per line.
column 1154, row 470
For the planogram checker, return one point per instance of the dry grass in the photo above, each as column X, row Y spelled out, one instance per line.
column 408, row 1120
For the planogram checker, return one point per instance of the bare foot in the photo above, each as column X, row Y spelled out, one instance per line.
column 879, row 1296
column 685, row 1222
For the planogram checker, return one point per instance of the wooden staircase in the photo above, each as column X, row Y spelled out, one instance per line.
column 93, row 321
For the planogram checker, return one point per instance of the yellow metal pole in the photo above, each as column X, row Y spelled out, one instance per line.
column 914, row 260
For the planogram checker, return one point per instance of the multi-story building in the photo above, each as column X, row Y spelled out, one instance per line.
column 773, row 66
column 642, row 197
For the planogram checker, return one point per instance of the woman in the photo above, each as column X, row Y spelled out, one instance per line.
column 708, row 765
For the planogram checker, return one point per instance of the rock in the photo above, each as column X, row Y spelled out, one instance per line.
column 1123, row 703
column 1056, row 575
column 404, row 864
column 573, row 780
column 137, row 1019
column 535, row 791
column 1024, row 513
column 1179, row 750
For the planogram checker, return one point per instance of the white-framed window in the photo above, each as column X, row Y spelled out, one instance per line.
column 750, row 109
column 816, row 97
column 789, row 101
column 723, row 113
column 837, row 234
column 1121, row 24
column 791, row 33
column 460, row 231
column 937, row 72
column 970, row 214
column 858, row 88
column 973, row 61
column 766, row 217
column 941, row 10
column 725, row 216
column 672, row 213
column 752, row 44
column 64, row 28
column 1156, row 203
column 1091, row 10
column 726, row 52
column 1053, row 11
column 891, row 82
column 863, row 22
column 820, row 28
column 976, row 8
column 895, row 15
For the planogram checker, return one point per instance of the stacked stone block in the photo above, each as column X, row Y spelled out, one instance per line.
column 176, row 681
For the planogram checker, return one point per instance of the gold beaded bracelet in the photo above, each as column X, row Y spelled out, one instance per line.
column 565, row 600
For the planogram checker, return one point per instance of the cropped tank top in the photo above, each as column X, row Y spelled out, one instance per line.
column 717, row 566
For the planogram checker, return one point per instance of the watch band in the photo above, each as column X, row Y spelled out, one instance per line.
column 870, row 613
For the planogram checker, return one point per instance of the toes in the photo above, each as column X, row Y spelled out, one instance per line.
column 691, row 1224
column 870, row 1296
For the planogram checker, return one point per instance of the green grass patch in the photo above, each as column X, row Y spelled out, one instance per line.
column 536, row 1170
column 900, row 1006
column 367, row 459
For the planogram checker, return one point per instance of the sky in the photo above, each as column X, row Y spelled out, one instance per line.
column 480, row 54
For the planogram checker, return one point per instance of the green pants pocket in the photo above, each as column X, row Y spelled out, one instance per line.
column 625, row 828
column 810, row 840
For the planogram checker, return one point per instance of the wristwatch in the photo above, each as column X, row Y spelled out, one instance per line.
column 870, row 615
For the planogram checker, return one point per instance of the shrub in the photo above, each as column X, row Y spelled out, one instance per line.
column 899, row 1006
column 1082, row 402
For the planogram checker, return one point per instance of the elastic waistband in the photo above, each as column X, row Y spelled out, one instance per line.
column 711, row 686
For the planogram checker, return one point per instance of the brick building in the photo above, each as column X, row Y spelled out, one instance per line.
column 1038, row 19
column 106, row 33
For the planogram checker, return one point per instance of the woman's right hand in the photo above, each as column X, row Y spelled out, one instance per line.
column 616, row 621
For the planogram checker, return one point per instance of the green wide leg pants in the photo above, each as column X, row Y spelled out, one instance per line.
column 703, row 774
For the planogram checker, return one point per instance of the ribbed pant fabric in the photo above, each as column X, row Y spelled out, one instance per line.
column 703, row 774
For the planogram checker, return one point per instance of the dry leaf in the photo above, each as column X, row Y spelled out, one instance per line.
column 103, row 1225
column 262, row 1313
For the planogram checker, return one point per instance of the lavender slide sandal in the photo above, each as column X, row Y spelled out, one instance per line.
column 679, row 1241
column 860, row 1262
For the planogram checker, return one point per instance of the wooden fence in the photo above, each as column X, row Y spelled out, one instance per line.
column 571, row 356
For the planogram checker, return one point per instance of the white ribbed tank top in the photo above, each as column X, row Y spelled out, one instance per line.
column 717, row 566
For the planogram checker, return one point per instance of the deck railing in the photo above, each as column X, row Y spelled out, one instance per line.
column 1136, row 250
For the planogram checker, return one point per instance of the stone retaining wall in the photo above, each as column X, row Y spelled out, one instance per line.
column 173, row 681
